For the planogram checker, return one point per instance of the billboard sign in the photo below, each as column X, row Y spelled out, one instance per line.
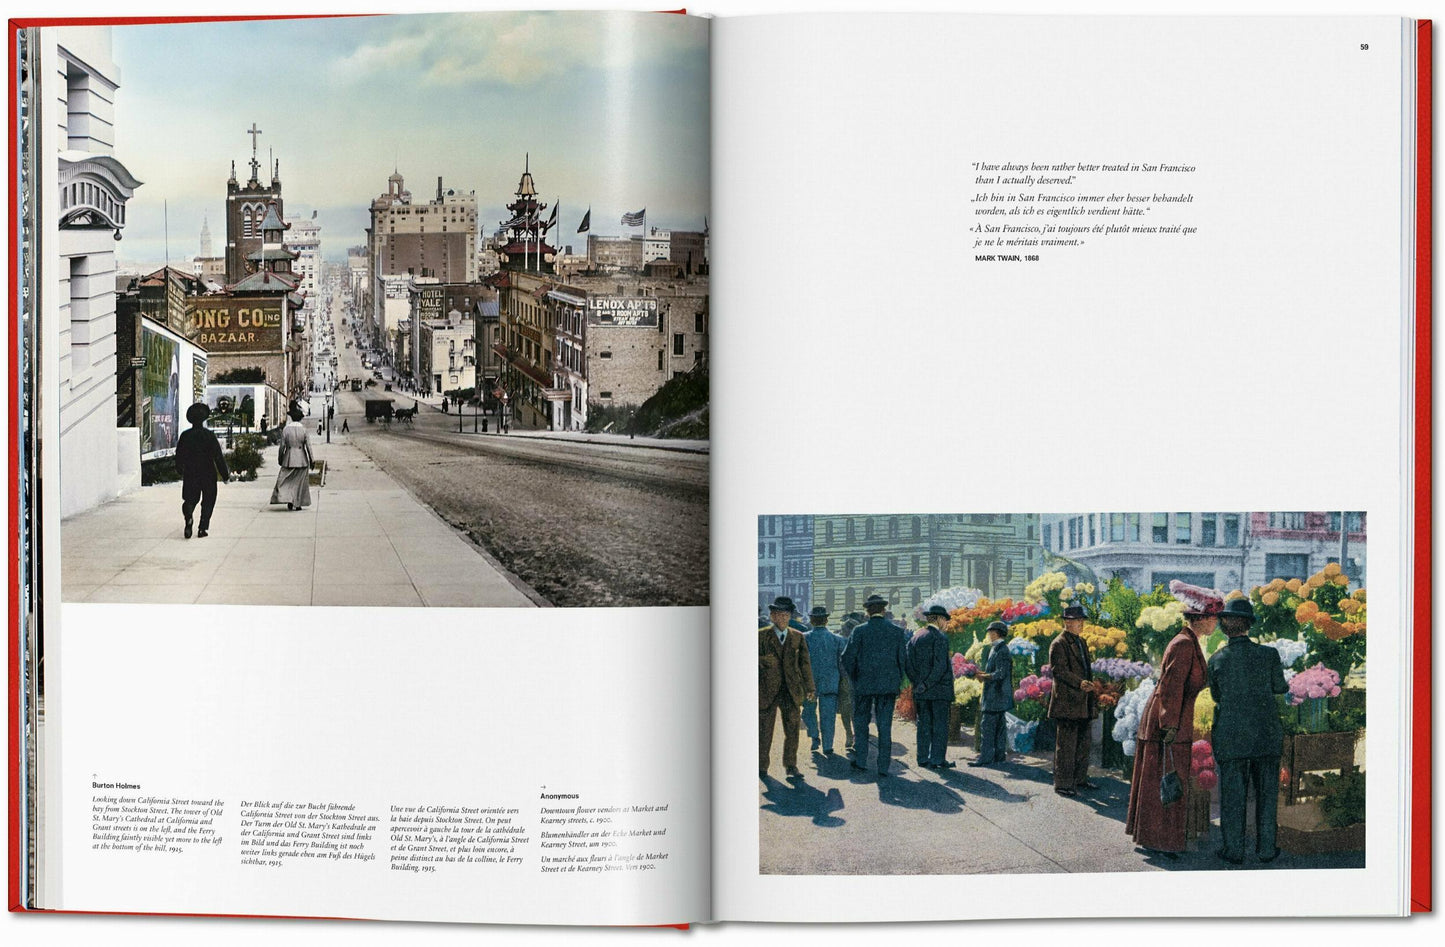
column 160, row 394
column 234, row 324
column 634, row 311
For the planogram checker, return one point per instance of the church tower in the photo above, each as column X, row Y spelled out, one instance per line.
column 246, row 207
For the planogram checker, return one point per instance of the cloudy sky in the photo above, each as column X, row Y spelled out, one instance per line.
column 613, row 108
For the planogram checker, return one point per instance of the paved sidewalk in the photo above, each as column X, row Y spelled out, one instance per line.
column 363, row 541
column 964, row 821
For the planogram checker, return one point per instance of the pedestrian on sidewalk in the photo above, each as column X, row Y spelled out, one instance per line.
column 998, row 697
column 785, row 681
column 1072, row 705
column 875, row 659
column 201, row 464
column 345, row 425
column 930, row 668
column 293, row 479
column 1244, row 678
column 845, row 684
column 1166, row 727
column 825, row 652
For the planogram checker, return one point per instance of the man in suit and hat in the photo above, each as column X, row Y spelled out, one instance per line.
column 874, row 659
column 997, row 675
column 931, row 671
column 845, row 683
column 785, row 681
column 1072, row 705
column 202, row 464
column 825, row 650
column 1244, row 678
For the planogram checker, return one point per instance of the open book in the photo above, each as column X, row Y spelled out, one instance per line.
column 392, row 521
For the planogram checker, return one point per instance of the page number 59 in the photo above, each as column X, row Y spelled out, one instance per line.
column 1364, row 45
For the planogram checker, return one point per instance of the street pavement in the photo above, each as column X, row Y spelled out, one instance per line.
column 964, row 821
column 364, row 540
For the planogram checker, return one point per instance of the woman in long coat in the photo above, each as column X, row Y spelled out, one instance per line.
column 1166, row 728
column 293, row 480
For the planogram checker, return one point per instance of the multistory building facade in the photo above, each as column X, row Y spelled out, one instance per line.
column 75, row 122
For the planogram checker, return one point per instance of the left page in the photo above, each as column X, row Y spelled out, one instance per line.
column 355, row 347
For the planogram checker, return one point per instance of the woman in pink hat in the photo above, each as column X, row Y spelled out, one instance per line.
column 1166, row 729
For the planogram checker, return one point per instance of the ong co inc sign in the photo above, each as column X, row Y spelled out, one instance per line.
column 236, row 324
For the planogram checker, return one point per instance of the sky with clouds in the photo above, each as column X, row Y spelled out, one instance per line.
column 612, row 107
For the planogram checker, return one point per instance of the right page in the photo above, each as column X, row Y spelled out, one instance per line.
column 1071, row 359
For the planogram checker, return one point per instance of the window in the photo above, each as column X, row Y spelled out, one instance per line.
column 868, row 528
column 1286, row 565
column 892, row 565
column 604, row 355
column 697, row 322
column 762, row 575
column 1161, row 528
column 1048, row 535
column 892, row 527
column 1091, row 529
column 1207, row 523
column 1116, row 527
column 1181, row 528
column 828, row 532
column 659, row 359
column 868, row 567
column 851, row 568
column 917, row 530
column 830, row 569
column 1131, row 527
column 762, row 550
column 677, row 343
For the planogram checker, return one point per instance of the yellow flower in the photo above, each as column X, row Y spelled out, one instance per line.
column 1293, row 585
column 1332, row 568
column 1359, row 595
column 1342, row 580
column 1349, row 606
column 1121, row 649
column 1203, row 713
column 966, row 690
column 1270, row 598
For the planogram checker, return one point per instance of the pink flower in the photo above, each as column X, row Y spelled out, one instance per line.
column 1208, row 779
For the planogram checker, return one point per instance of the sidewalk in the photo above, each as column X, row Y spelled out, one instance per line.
column 363, row 541
column 964, row 821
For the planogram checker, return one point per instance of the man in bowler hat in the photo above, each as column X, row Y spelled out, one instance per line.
column 931, row 671
column 1244, row 678
column 997, row 675
column 825, row 650
column 785, row 681
column 874, row 659
column 202, row 464
column 1072, row 705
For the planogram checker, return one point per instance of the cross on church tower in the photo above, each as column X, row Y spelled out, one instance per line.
column 253, row 131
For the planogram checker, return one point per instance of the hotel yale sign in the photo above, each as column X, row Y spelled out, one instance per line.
column 238, row 325
column 640, row 311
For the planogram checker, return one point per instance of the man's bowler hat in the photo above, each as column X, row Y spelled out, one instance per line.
column 818, row 612
column 1238, row 608
column 1074, row 611
column 782, row 604
column 875, row 601
column 936, row 610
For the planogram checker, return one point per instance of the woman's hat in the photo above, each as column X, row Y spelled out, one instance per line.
column 938, row 610
column 198, row 412
column 296, row 413
column 1198, row 601
column 998, row 627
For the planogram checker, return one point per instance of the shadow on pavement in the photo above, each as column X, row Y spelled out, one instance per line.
column 919, row 794
column 973, row 783
column 797, row 798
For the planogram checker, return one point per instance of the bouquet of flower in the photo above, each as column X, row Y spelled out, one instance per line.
column 1035, row 687
column 1103, row 640
column 1128, row 713
column 1204, row 712
column 1122, row 669
column 1019, row 647
column 1039, row 588
column 1202, row 764
column 963, row 667
column 906, row 708
column 1163, row 619
column 1043, row 628
column 975, row 618
column 1289, row 651
column 1022, row 611
column 1314, row 682
column 954, row 598
column 974, row 654
column 1108, row 694
column 966, row 690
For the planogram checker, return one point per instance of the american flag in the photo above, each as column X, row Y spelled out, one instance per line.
column 634, row 220
column 521, row 220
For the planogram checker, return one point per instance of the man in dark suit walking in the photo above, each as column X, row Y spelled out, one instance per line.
column 1244, row 678
column 930, row 670
column 1072, row 705
column 874, row 660
column 785, row 681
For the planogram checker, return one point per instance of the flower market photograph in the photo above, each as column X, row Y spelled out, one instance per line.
column 1070, row 692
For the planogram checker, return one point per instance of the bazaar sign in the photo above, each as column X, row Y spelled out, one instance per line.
column 234, row 324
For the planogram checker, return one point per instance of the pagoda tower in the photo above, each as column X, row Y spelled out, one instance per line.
column 526, row 233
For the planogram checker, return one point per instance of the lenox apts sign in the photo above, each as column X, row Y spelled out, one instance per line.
column 639, row 311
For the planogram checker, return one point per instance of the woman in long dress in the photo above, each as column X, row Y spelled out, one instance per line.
column 1166, row 728
column 293, row 480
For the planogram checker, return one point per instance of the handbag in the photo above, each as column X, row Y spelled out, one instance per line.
column 1171, row 787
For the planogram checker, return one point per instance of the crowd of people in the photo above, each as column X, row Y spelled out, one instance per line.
column 810, row 675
